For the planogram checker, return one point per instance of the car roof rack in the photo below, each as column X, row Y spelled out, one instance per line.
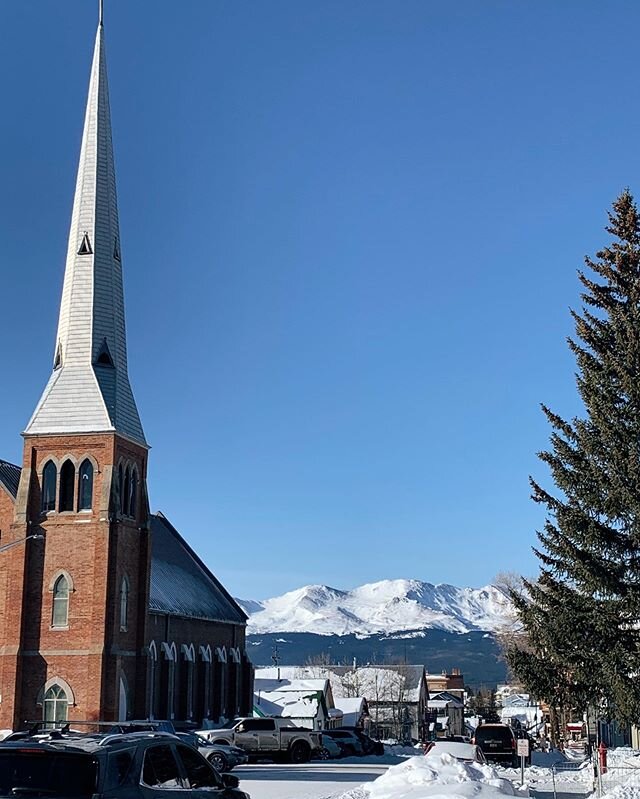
column 116, row 737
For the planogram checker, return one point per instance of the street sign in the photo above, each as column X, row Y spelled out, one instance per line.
column 523, row 747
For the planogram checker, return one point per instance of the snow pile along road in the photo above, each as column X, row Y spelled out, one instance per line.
column 437, row 776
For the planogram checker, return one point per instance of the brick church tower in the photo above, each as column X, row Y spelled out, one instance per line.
column 74, row 602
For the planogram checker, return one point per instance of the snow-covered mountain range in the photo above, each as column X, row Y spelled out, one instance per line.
column 386, row 607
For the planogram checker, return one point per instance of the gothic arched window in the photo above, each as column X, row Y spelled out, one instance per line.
column 124, row 604
column 49, row 479
column 67, row 486
column 126, row 494
column 55, row 706
column 60, row 612
column 85, row 488
column 133, row 501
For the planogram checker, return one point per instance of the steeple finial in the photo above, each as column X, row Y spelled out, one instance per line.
column 100, row 12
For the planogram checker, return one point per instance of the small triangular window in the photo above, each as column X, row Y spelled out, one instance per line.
column 85, row 246
column 57, row 362
column 116, row 249
column 104, row 356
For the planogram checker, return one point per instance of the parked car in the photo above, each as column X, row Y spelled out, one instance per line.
column 221, row 756
column 274, row 737
column 330, row 749
column 143, row 765
column 498, row 742
column 347, row 740
column 470, row 753
column 369, row 745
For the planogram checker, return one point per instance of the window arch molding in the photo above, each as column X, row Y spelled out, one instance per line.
column 235, row 654
column 51, row 683
column 205, row 653
column 221, row 654
column 57, row 575
column 188, row 652
column 169, row 651
column 51, row 459
column 152, row 651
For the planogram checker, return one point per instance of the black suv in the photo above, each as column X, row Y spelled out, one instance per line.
column 498, row 742
column 370, row 746
column 137, row 765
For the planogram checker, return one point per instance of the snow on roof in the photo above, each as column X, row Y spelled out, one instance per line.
column 290, row 685
column 288, row 704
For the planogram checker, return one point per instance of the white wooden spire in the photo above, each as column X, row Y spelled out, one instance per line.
column 89, row 389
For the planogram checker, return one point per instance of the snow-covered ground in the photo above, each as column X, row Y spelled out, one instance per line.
column 401, row 774
column 392, row 776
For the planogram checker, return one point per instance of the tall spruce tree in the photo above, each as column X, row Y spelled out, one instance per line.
column 581, row 618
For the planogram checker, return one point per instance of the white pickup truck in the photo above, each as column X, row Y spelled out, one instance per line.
column 269, row 737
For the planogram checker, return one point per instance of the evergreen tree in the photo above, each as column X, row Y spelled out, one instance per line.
column 581, row 617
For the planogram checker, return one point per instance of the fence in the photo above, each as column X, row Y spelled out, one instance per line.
column 623, row 774
column 572, row 769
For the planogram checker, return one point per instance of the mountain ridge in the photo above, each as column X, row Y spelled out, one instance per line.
column 381, row 608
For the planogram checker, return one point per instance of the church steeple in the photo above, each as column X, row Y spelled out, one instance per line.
column 89, row 388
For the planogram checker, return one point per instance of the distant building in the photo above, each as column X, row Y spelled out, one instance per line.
column 452, row 682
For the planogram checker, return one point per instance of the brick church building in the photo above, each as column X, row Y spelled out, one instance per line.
column 105, row 611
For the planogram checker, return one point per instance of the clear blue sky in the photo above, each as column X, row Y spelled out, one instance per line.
column 350, row 232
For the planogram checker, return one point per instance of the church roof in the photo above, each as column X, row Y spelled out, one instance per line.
column 10, row 477
column 89, row 389
column 181, row 584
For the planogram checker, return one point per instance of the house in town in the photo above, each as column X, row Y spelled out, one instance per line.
column 452, row 682
column 354, row 712
column 448, row 711
column 307, row 702
column 105, row 611
column 396, row 695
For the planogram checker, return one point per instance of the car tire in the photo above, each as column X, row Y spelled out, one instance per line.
column 300, row 752
column 218, row 761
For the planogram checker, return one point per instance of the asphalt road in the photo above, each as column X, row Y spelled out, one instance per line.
column 315, row 780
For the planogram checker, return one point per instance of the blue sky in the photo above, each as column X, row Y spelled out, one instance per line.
column 350, row 234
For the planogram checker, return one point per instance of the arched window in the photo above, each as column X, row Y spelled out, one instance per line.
column 85, row 489
column 55, row 706
column 124, row 604
column 49, row 479
column 60, row 613
column 133, row 501
column 120, row 487
column 126, row 496
column 67, row 486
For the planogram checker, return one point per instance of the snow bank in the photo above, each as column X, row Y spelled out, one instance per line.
column 623, row 792
column 437, row 776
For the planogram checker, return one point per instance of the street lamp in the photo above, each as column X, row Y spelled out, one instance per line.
column 4, row 547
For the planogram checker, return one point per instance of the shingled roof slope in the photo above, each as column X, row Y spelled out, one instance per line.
column 181, row 584
column 10, row 477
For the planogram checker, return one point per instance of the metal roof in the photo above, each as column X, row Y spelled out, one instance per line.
column 10, row 477
column 181, row 584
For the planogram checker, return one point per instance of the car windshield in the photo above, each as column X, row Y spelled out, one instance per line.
column 40, row 772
